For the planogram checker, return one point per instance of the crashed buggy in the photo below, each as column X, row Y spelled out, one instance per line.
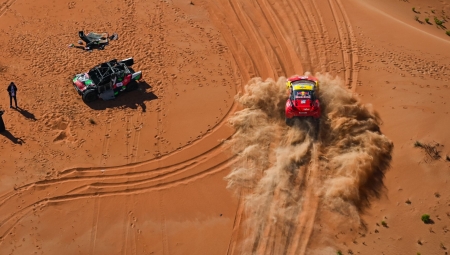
column 302, row 102
column 107, row 80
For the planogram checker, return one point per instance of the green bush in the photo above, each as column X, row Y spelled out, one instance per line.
column 448, row 33
column 438, row 21
column 426, row 218
column 418, row 144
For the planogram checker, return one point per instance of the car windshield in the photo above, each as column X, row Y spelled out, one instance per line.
column 304, row 83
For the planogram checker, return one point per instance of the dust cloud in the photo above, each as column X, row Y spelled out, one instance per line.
column 288, row 174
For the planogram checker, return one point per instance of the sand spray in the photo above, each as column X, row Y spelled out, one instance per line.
column 288, row 175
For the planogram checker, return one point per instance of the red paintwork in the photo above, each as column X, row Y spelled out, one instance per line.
column 298, row 77
column 80, row 85
column 302, row 107
column 127, row 79
column 306, row 109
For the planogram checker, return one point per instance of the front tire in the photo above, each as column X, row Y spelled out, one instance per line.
column 133, row 85
column 90, row 95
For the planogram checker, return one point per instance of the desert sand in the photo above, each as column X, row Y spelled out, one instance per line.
column 199, row 160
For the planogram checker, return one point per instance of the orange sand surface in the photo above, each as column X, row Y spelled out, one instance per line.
column 199, row 159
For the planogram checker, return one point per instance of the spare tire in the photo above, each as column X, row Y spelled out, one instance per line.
column 90, row 95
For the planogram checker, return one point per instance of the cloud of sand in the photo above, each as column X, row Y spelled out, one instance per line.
column 280, row 167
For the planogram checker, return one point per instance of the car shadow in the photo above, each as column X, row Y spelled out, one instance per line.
column 133, row 99
column 11, row 137
column 26, row 113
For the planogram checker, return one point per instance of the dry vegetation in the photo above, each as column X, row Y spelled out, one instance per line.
column 431, row 149
column 439, row 18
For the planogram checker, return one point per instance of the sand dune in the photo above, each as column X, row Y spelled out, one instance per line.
column 199, row 160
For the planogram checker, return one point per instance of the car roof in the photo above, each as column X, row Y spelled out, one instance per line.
column 108, row 68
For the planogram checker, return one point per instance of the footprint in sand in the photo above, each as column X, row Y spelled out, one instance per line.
column 61, row 127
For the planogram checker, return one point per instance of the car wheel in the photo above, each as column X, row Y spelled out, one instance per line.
column 133, row 85
column 90, row 95
column 289, row 121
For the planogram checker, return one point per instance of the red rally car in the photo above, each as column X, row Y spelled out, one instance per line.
column 302, row 102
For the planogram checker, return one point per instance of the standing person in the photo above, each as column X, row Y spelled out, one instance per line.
column 2, row 124
column 12, row 90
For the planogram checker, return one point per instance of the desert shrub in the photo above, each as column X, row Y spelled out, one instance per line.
column 430, row 149
column 448, row 33
column 92, row 121
column 414, row 10
column 439, row 22
column 426, row 218
column 384, row 224
column 418, row 20
column 339, row 252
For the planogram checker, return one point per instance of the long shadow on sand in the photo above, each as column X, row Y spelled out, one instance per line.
column 132, row 99
column 11, row 137
column 26, row 113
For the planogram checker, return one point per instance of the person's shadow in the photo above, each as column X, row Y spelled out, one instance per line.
column 26, row 113
column 11, row 137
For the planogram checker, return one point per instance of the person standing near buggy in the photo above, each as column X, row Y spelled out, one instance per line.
column 12, row 90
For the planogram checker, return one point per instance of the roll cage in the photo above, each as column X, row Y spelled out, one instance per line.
column 101, row 74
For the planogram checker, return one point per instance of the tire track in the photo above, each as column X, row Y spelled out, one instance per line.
column 163, row 227
column 306, row 218
column 13, row 219
column 236, row 223
column 5, row 6
column 127, row 224
column 94, row 226
column 158, row 174
column 347, row 40
column 137, row 136
column 105, row 145
column 74, row 178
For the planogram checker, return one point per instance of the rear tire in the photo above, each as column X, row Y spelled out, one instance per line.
column 289, row 121
column 90, row 95
column 133, row 85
